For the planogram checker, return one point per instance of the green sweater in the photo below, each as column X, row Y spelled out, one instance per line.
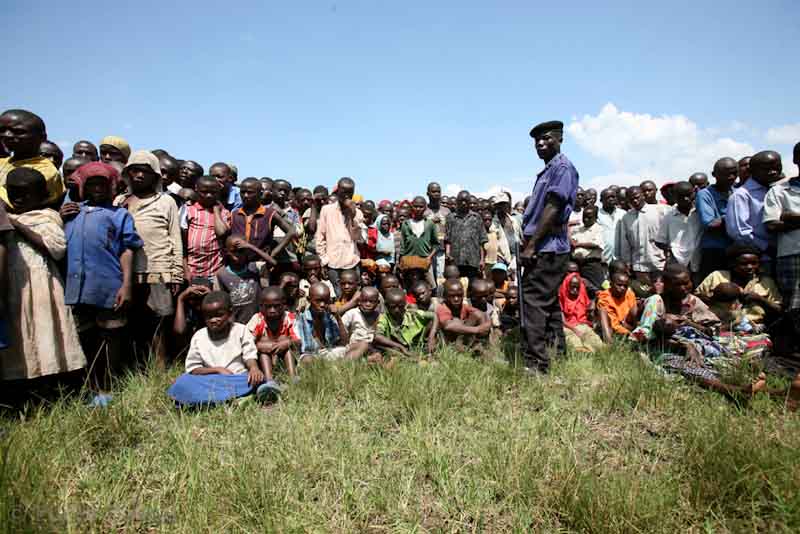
column 423, row 245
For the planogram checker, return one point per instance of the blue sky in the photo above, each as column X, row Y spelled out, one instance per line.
column 395, row 94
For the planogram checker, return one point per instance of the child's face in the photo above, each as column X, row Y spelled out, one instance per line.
column 679, row 287
column 589, row 216
column 746, row 265
column 320, row 300
column 423, row 295
column 455, row 296
column 402, row 215
column 142, row 179
column 304, row 201
column 574, row 287
column 24, row 198
column 313, row 270
column 479, row 296
column 619, row 285
column 272, row 307
column 217, row 316
column 266, row 193
column 97, row 190
column 250, row 192
column 235, row 258
column 290, row 286
column 368, row 302
column 513, row 298
column 349, row 284
column 396, row 307
column 207, row 193
column 389, row 282
column 572, row 267
column 418, row 210
column 367, row 278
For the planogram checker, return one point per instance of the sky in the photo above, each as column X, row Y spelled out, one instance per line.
column 398, row 94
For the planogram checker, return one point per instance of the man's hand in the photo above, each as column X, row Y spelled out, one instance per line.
column 123, row 299
column 69, row 210
column 528, row 255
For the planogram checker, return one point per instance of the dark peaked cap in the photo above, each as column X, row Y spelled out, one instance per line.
column 548, row 126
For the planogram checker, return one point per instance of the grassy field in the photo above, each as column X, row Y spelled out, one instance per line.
column 603, row 444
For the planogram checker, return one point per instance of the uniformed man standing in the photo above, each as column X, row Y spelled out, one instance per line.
column 547, row 246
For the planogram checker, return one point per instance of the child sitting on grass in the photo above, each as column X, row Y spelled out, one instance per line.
column 405, row 330
column 312, row 274
column 451, row 272
column 509, row 313
column 576, row 307
column 349, row 286
column 461, row 323
column 273, row 330
column 360, row 324
column 241, row 279
column 617, row 309
column 423, row 294
column 481, row 293
column 222, row 362
column 321, row 333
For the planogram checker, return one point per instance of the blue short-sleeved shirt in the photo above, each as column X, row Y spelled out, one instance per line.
column 96, row 238
column 234, row 198
column 560, row 178
column 745, row 217
column 711, row 206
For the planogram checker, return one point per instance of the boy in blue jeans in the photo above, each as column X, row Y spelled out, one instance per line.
column 101, row 240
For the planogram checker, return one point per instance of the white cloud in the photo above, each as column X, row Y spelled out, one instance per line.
column 788, row 134
column 639, row 145
column 454, row 189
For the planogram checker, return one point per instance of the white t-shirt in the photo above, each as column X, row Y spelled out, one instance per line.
column 357, row 326
column 593, row 235
column 682, row 233
column 784, row 197
column 229, row 353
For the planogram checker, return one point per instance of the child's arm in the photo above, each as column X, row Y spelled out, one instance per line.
column 123, row 298
column 33, row 238
column 261, row 254
column 434, row 330
column 605, row 326
column 221, row 228
column 289, row 233
column 347, row 306
column 383, row 341
column 179, row 324
column 210, row 371
column 254, row 374
column 344, row 336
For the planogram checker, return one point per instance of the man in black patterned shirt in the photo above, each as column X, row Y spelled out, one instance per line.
column 465, row 236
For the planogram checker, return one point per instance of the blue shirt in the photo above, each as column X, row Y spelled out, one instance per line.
column 712, row 206
column 745, row 218
column 304, row 326
column 234, row 199
column 96, row 238
column 560, row 178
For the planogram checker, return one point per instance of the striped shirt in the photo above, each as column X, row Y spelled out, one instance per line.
column 203, row 247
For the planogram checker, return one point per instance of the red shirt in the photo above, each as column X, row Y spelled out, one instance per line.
column 444, row 314
column 259, row 327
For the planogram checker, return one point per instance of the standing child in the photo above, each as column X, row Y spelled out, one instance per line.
column 273, row 330
column 404, row 330
column 222, row 361
column 42, row 338
column 101, row 241
column 157, row 266
column 204, row 223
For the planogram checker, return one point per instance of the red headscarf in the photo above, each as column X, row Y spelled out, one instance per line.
column 575, row 310
column 95, row 168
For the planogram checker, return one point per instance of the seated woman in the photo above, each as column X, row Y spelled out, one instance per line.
column 575, row 304
column 617, row 309
column 742, row 295
column 683, row 330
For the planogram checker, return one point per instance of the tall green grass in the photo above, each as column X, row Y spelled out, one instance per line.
column 602, row 444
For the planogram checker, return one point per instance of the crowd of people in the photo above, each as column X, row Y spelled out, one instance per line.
column 113, row 256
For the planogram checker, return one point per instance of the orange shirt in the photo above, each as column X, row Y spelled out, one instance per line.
column 617, row 310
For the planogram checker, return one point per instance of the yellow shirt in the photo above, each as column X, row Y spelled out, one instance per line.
column 761, row 285
column 55, row 185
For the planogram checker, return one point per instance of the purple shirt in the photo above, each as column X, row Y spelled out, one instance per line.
column 560, row 178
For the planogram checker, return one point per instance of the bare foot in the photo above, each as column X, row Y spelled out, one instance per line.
column 760, row 384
